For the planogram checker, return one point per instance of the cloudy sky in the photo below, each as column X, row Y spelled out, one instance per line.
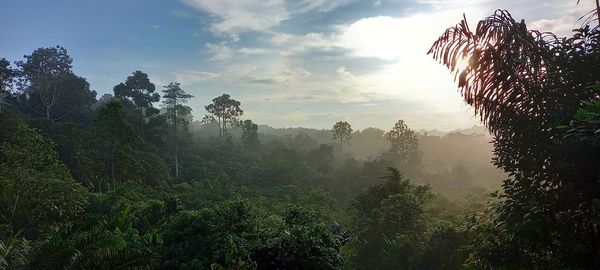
column 290, row 62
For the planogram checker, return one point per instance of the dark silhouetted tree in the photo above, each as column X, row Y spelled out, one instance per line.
column 404, row 149
column 115, row 136
column 524, row 84
column 179, row 115
column 76, row 100
column 140, row 90
column 224, row 110
column 42, row 75
column 6, row 76
column 250, row 134
column 342, row 131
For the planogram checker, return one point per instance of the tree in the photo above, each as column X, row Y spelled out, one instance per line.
column 180, row 115
column 402, row 139
column 342, row 131
column 38, row 194
column 524, row 84
column 140, row 90
column 209, row 231
column 321, row 158
column 301, row 241
column 405, row 146
column 42, row 76
column 301, row 142
column 233, row 235
column 391, row 223
column 114, row 137
column 250, row 134
column 76, row 100
column 6, row 75
column 223, row 110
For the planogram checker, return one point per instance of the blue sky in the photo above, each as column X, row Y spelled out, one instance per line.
column 291, row 63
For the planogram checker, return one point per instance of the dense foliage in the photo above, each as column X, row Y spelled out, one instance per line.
column 81, row 194
column 525, row 85
column 117, row 183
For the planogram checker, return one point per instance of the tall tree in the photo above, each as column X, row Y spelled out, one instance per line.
column 114, row 135
column 250, row 134
column 42, row 75
column 76, row 100
column 6, row 75
column 405, row 146
column 342, row 131
column 524, row 84
column 140, row 90
column 180, row 115
column 223, row 110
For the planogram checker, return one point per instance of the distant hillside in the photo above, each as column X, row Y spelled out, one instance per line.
column 471, row 130
column 470, row 148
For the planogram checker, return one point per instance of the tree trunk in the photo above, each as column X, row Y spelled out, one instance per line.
column 14, row 208
column 112, row 162
column 176, row 161
column 220, row 128
column 2, row 96
column 176, row 141
column 142, row 122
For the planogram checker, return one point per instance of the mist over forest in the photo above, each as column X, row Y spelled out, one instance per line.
column 163, row 168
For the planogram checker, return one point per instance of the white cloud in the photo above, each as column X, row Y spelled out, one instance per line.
column 409, row 76
column 233, row 17
column 292, row 44
column 390, row 38
column 382, row 37
column 237, row 16
column 191, row 77
column 280, row 75
column 224, row 51
column 295, row 116
column 559, row 17
column 219, row 51
column 253, row 51
column 294, row 74
column 320, row 5
column 557, row 25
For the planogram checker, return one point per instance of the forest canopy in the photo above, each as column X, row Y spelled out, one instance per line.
column 131, row 180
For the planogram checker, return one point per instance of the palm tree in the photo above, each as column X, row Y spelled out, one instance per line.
column 523, row 84
column 14, row 252
column 113, row 245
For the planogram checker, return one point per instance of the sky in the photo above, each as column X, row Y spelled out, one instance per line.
column 304, row 63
